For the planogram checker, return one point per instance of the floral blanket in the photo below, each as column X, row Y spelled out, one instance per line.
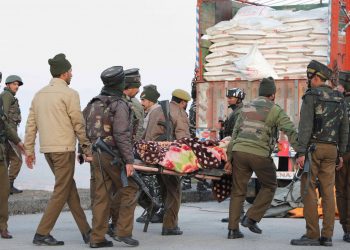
column 186, row 155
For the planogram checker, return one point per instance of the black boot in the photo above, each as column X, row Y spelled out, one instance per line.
column 324, row 241
column 234, row 234
column 14, row 190
column 105, row 243
column 251, row 224
column 305, row 241
column 201, row 187
column 127, row 240
column 86, row 236
column 47, row 240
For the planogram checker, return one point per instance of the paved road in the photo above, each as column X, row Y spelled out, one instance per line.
column 199, row 221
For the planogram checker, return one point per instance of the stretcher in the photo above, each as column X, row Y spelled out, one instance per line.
column 208, row 174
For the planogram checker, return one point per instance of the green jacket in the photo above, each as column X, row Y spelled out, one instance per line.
column 256, row 129
column 7, row 132
column 136, row 118
column 11, row 107
column 323, row 119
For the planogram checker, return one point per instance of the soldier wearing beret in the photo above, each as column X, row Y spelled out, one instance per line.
column 253, row 140
column 13, row 113
column 342, row 176
column 56, row 115
column 113, row 125
column 7, row 133
column 170, row 185
column 325, row 124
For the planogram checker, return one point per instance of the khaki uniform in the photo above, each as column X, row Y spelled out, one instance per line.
column 253, row 140
column 55, row 113
column 170, row 185
column 13, row 113
column 323, row 121
column 7, row 132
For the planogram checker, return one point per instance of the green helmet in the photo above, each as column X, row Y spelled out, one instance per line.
column 14, row 78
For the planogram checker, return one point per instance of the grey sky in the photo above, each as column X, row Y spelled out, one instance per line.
column 156, row 36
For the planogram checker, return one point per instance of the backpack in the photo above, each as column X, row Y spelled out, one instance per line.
column 99, row 119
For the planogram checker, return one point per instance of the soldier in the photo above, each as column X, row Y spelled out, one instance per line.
column 7, row 133
column 323, row 123
column 253, row 139
column 235, row 96
column 170, row 185
column 55, row 114
column 132, row 85
column 342, row 176
column 108, row 116
column 13, row 113
column 149, row 100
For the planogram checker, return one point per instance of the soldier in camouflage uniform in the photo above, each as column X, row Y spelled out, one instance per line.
column 342, row 176
column 253, row 139
column 132, row 85
column 7, row 133
column 324, row 123
column 13, row 113
column 108, row 116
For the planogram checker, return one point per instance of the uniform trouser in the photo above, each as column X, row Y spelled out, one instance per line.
column 65, row 190
column 243, row 165
column 14, row 162
column 170, row 187
column 323, row 168
column 342, row 184
column 102, row 196
column 4, row 195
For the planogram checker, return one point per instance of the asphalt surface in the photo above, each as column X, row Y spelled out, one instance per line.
column 199, row 221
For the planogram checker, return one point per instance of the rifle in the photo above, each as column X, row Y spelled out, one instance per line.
column 168, row 136
column 152, row 205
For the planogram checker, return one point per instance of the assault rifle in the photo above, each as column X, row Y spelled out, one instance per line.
column 168, row 136
column 150, row 204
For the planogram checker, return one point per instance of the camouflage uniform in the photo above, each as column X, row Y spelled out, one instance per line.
column 13, row 113
column 342, row 184
column 253, row 139
column 7, row 133
column 323, row 121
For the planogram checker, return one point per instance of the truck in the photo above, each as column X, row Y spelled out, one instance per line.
column 211, row 94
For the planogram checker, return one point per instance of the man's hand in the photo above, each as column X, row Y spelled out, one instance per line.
column 88, row 158
column 129, row 169
column 340, row 165
column 300, row 161
column 228, row 168
column 30, row 161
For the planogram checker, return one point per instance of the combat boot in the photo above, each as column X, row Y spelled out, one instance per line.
column 305, row 241
column 14, row 190
column 127, row 240
column 5, row 234
column 251, row 224
column 234, row 234
column 47, row 240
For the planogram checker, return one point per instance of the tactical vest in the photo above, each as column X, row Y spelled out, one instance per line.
column 328, row 113
column 229, row 123
column 99, row 119
column 254, row 127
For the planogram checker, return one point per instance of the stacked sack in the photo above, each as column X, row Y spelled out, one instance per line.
column 260, row 42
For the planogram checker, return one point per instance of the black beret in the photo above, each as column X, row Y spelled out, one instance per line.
column 132, row 78
column 113, row 76
column 319, row 69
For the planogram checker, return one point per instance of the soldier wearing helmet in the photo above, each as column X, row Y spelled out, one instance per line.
column 13, row 113
column 235, row 96
column 324, row 123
